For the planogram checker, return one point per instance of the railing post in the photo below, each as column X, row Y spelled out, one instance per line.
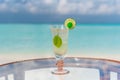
column 19, row 76
column 118, row 76
column 107, row 75
column 6, row 77
column 104, row 74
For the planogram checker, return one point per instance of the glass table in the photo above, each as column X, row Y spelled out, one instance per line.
column 80, row 69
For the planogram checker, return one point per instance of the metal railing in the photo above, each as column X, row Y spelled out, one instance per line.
column 17, row 69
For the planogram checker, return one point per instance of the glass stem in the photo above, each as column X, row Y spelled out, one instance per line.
column 60, row 63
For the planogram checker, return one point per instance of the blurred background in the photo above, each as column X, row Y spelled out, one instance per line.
column 25, row 28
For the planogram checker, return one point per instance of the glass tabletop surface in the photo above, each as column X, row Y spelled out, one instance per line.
column 80, row 69
column 75, row 73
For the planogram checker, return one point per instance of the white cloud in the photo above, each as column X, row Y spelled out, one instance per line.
column 31, row 8
column 118, row 7
column 48, row 1
column 40, row 6
column 65, row 8
column 61, row 6
column 3, row 7
column 7, row 1
column 86, row 7
column 89, row 7
column 105, row 9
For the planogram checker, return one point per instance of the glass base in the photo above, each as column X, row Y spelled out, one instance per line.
column 63, row 72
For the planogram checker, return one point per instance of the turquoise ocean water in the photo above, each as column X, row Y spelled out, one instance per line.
column 36, row 39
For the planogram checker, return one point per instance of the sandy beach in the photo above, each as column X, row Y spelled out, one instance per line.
column 16, row 57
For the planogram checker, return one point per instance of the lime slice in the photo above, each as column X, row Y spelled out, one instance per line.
column 57, row 41
column 70, row 23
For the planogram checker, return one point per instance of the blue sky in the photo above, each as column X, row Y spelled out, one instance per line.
column 56, row 11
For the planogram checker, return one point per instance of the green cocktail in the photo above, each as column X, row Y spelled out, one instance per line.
column 60, row 46
column 60, row 43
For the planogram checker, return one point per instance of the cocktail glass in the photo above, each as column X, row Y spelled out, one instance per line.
column 60, row 46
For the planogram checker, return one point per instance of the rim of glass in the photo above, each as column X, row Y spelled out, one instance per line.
column 58, row 27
